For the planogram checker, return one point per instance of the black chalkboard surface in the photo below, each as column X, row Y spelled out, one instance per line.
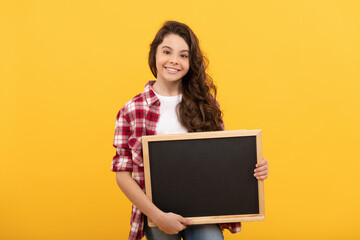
column 206, row 177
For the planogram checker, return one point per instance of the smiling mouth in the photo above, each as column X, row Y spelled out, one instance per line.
column 174, row 70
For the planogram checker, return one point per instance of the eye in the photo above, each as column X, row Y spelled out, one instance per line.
column 166, row 52
column 184, row 56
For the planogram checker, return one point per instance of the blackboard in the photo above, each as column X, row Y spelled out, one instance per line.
column 206, row 177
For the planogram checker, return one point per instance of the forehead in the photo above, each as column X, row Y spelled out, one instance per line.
column 174, row 41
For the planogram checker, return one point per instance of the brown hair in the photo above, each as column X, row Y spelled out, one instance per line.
column 198, row 110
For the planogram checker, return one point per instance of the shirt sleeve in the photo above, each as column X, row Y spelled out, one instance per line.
column 122, row 161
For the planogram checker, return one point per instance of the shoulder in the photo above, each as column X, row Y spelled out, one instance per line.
column 130, row 107
column 135, row 101
column 139, row 104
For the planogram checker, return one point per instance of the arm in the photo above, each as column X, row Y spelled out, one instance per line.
column 123, row 166
column 169, row 223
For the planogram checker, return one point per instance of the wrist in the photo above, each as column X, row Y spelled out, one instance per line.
column 157, row 216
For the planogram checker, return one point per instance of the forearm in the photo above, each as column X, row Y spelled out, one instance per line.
column 136, row 195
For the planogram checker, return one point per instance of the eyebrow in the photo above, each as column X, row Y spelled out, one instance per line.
column 172, row 49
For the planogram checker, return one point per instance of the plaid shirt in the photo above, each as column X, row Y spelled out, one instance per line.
column 137, row 118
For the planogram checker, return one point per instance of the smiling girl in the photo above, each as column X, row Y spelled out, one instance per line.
column 181, row 100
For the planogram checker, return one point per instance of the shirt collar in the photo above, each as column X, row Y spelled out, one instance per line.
column 149, row 94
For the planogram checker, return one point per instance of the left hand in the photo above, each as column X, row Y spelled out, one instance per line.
column 261, row 171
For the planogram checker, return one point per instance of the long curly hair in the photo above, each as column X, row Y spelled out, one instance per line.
column 198, row 111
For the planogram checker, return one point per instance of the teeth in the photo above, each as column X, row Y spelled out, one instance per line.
column 172, row 69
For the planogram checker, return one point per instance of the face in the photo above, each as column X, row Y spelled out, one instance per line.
column 172, row 59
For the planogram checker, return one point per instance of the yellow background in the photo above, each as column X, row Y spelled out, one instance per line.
column 290, row 68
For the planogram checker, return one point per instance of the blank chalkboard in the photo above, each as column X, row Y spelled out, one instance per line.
column 206, row 177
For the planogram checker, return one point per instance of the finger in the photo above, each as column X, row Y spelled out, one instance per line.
column 262, row 163
column 262, row 177
column 261, row 169
column 183, row 227
column 257, row 174
column 185, row 221
column 180, row 228
column 165, row 230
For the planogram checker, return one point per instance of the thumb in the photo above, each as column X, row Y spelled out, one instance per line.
column 186, row 221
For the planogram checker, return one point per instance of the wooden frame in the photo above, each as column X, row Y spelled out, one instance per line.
column 218, row 135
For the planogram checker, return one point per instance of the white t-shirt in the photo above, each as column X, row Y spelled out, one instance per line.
column 168, row 122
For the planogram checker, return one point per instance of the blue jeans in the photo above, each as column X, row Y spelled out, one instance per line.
column 192, row 232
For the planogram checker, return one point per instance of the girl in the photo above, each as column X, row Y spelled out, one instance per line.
column 181, row 100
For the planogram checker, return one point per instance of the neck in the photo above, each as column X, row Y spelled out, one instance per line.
column 167, row 88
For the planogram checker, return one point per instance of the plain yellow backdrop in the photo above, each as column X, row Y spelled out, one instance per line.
column 290, row 68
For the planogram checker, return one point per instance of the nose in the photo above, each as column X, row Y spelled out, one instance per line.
column 174, row 60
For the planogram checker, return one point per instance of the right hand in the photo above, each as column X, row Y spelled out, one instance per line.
column 171, row 223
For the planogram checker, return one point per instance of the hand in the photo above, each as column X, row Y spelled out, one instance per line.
column 262, row 170
column 171, row 223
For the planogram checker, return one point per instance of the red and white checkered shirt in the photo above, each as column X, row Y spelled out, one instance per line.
column 137, row 118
